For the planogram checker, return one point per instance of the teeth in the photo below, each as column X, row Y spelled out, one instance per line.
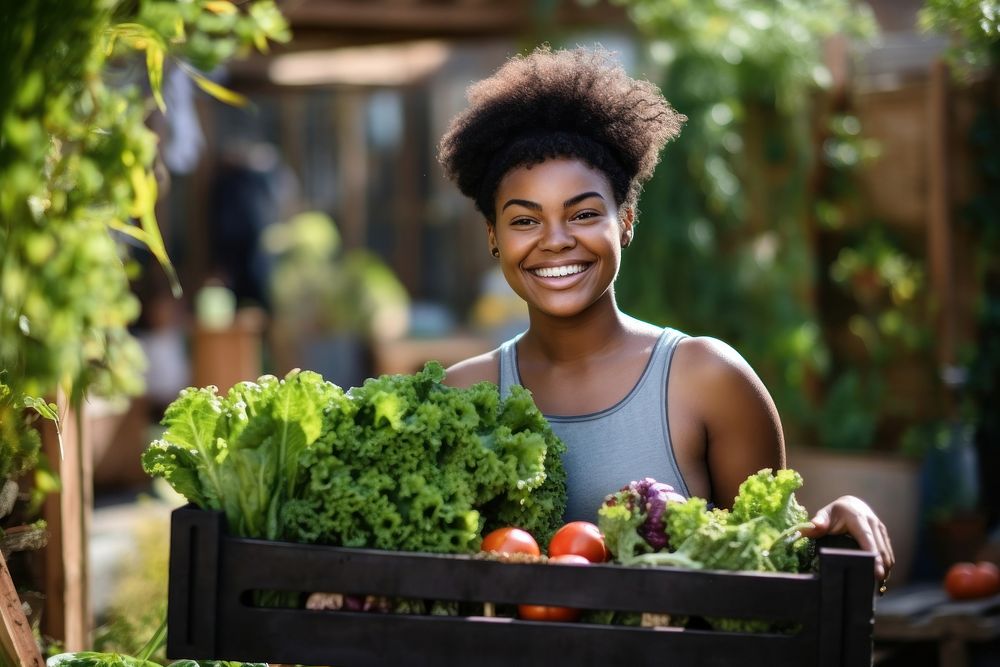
column 559, row 271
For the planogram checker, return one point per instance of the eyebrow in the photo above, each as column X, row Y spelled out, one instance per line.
column 576, row 199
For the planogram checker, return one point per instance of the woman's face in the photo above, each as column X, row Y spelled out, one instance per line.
column 559, row 234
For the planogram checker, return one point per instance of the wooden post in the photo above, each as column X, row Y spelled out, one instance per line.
column 352, row 161
column 67, row 615
column 17, row 643
column 939, row 233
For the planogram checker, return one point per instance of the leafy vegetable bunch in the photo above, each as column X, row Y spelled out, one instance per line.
column 94, row 659
column 408, row 463
column 239, row 452
column 761, row 533
column 646, row 523
column 142, row 659
column 402, row 462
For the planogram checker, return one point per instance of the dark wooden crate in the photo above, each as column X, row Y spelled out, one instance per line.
column 211, row 574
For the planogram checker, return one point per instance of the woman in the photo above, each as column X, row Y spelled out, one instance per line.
column 554, row 150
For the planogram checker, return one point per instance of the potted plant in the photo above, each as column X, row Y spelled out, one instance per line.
column 329, row 303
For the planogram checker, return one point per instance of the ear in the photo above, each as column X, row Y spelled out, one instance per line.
column 627, row 225
column 491, row 235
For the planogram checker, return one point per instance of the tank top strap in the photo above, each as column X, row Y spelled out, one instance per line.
column 508, row 365
column 663, row 353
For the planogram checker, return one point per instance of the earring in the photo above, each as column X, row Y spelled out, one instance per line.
column 495, row 251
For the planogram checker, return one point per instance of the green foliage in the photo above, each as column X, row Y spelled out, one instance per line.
column 760, row 534
column 983, row 216
column 317, row 288
column 972, row 25
column 411, row 464
column 402, row 462
column 239, row 453
column 19, row 444
column 76, row 177
column 725, row 248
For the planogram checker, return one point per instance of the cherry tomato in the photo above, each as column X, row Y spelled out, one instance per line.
column 967, row 581
column 537, row 612
column 512, row 541
column 534, row 612
column 581, row 538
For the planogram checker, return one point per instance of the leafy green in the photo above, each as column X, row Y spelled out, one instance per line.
column 239, row 453
column 402, row 462
column 761, row 534
column 408, row 463
column 94, row 659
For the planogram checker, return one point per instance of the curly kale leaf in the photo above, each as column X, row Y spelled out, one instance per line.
column 416, row 465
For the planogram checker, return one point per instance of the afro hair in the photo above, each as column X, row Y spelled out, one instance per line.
column 575, row 103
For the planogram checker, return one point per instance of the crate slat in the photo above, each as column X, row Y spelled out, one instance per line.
column 261, row 565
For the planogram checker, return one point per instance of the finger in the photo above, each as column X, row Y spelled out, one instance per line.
column 864, row 533
column 820, row 524
column 890, row 555
column 880, row 547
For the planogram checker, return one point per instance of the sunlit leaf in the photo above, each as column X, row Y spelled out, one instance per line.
column 154, row 64
column 215, row 90
column 222, row 7
column 132, row 231
column 269, row 19
column 47, row 410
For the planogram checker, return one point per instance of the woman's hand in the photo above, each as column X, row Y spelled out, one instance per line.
column 853, row 516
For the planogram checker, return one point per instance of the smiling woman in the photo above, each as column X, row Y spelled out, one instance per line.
column 554, row 149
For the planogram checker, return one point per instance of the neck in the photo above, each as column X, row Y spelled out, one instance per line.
column 563, row 340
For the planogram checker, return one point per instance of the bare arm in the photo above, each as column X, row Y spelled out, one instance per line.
column 742, row 430
column 743, row 434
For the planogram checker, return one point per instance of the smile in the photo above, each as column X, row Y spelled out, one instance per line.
column 559, row 271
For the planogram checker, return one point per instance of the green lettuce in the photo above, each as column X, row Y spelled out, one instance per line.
column 239, row 452
column 402, row 462
column 761, row 533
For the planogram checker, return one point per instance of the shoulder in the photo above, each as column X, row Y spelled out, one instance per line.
column 703, row 359
column 484, row 367
column 719, row 380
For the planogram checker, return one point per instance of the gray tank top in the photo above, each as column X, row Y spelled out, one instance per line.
column 606, row 450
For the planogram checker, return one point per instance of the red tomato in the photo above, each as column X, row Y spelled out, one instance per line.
column 534, row 612
column 580, row 538
column 511, row 541
column 990, row 574
column 537, row 612
column 967, row 581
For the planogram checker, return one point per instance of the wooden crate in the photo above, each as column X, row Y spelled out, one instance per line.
column 210, row 613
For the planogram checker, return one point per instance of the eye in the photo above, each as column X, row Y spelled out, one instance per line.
column 522, row 221
column 584, row 215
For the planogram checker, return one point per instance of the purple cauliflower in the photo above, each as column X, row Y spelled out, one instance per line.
column 632, row 519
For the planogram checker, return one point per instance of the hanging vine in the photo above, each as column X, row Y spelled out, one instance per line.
column 727, row 248
column 77, row 177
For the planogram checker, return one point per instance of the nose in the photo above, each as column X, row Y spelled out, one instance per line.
column 556, row 236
